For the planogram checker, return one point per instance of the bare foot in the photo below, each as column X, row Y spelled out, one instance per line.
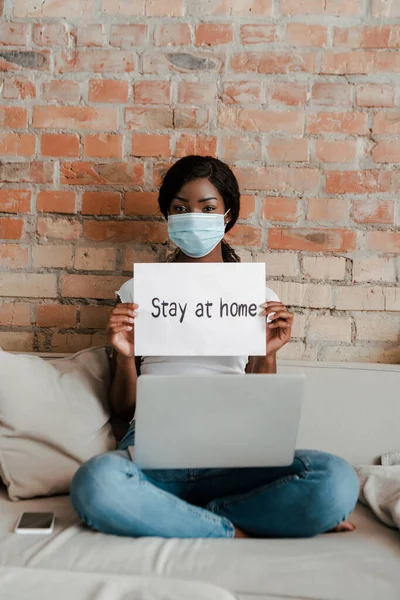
column 343, row 526
column 240, row 534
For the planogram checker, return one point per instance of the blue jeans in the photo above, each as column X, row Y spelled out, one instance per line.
column 312, row 495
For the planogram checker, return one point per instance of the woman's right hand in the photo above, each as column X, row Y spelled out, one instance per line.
column 121, row 328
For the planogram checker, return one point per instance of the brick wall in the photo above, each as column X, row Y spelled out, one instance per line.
column 98, row 97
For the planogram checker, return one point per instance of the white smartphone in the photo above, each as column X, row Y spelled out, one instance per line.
column 35, row 523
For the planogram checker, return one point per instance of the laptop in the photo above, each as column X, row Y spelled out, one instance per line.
column 217, row 421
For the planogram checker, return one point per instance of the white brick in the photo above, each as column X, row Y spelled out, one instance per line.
column 297, row 351
column 367, row 353
column 293, row 351
column 306, row 295
column 324, row 267
column 206, row 8
column 325, row 327
column 29, row 285
column 299, row 326
column 280, row 264
column 374, row 269
column 245, row 255
column 52, row 256
column 360, row 298
column 13, row 341
column 392, row 298
column 380, row 328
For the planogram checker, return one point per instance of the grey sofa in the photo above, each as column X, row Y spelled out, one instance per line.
column 352, row 410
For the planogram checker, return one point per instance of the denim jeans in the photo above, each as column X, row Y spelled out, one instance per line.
column 312, row 495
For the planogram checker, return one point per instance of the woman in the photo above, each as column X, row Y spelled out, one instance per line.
column 200, row 199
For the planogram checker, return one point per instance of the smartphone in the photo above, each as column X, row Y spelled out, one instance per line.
column 35, row 522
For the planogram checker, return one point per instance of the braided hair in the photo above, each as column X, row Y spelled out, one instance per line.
column 220, row 175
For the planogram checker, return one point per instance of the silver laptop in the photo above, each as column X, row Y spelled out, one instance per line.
column 203, row 421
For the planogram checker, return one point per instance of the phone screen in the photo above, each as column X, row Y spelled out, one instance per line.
column 32, row 520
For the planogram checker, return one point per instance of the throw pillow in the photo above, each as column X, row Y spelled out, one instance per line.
column 54, row 415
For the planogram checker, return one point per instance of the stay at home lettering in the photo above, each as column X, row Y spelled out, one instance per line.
column 164, row 309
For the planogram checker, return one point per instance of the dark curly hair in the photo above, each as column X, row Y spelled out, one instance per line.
column 219, row 174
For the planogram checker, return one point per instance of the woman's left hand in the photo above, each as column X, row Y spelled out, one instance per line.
column 280, row 328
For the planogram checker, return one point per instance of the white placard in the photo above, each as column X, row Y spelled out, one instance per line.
column 211, row 309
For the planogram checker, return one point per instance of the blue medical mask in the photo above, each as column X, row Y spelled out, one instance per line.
column 196, row 234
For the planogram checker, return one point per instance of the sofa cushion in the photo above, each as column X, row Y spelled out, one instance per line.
column 43, row 584
column 54, row 415
column 363, row 564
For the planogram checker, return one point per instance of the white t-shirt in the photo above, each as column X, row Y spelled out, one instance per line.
column 190, row 365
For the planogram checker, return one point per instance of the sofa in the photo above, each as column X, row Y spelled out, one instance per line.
column 352, row 410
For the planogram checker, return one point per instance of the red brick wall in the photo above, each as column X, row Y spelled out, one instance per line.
column 302, row 97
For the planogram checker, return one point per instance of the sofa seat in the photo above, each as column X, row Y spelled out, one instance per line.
column 348, row 566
